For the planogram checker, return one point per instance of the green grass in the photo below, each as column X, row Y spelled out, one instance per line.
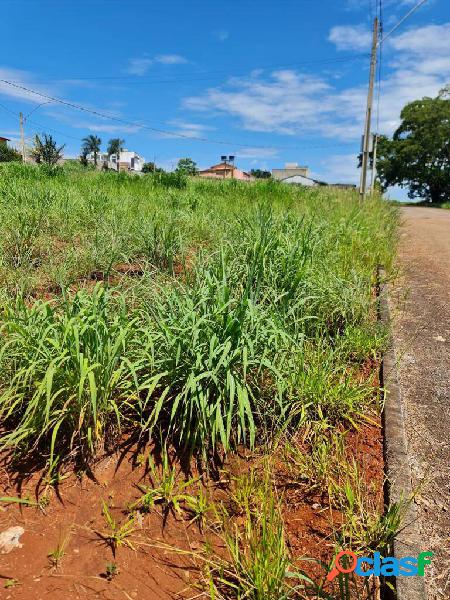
column 253, row 312
column 247, row 318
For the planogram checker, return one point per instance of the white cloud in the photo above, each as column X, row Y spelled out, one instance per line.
column 429, row 41
column 284, row 103
column 171, row 59
column 106, row 127
column 25, row 79
column 185, row 128
column 339, row 168
column 291, row 102
column 350, row 37
column 140, row 66
column 257, row 153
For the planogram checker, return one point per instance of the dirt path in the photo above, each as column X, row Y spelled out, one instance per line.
column 421, row 308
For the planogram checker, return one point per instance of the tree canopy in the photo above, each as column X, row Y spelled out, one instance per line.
column 115, row 145
column 91, row 145
column 46, row 150
column 150, row 167
column 187, row 166
column 8, row 154
column 260, row 174
column 418, row 155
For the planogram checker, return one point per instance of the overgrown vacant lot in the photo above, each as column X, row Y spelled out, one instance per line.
column 207, row 354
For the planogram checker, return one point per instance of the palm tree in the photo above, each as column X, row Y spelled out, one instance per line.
column 91, row 145
column 115, row 145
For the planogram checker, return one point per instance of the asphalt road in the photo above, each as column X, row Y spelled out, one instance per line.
column 420, row 306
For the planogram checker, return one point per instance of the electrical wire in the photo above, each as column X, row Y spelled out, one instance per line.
column 154, row 129
column 218, row 74
column 403, row 19
column 231, row 144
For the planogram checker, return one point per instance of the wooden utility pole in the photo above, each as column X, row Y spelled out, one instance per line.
column 374, row 163
column 22, row 137
column 366, row 139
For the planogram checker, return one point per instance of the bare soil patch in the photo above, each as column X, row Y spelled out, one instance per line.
column 149, row 569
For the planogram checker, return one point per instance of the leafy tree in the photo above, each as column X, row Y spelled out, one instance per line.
column 91, row 145
column 115, row 145
column 187, row 166
column 150, row 167
column 46, row 150
column 260, row 174
column 8, row 154
column 418, row 155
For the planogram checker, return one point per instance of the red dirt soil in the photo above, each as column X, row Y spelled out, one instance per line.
column 148, row 572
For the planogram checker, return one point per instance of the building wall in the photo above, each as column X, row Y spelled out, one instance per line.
column 289, row 171
column 126, row 161
column 300, row 180
column 225, row 173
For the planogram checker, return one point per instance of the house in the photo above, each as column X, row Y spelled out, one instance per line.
column 302, row 180
column 290, row 170
column 225, row 170
column 293, row 174
column 124, row 161
column 3, row 140
column 102, row 158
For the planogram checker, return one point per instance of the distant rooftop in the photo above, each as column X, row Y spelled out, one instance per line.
column 290, row 169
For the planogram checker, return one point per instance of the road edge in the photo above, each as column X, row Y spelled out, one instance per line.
column 397, row 465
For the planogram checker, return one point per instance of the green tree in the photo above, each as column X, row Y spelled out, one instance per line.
column 8, row 154
column 418, row 155
column 260, row 174
column 187, row 166
column 115, row 145
column 150, row 167
column 91, row 145
column 46, row 150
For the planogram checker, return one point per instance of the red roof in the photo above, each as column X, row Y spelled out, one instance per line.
column 4, row 139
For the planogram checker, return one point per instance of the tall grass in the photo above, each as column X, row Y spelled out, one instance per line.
column 253, row 311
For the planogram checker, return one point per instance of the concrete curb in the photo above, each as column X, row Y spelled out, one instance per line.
column 398, row 470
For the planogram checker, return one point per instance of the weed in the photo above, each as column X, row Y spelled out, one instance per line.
column 166, row 489
column 258, row 565
column 57, row 554
column 116, row 534
column 111, row 571
column 200, row 507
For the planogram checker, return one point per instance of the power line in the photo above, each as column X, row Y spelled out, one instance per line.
column 136, row 79
column 403, row 19
column 189, row 137
column 122, row 121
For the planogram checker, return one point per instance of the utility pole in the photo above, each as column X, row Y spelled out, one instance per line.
column 374, row 163
column 22, row 137
column 366, row 140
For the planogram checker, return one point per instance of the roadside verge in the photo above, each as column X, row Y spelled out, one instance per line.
column 398, row 470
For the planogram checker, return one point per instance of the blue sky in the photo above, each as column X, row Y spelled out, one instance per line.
column 276, row 80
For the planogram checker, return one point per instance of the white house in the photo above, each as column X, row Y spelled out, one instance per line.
column 102, row 158
column 301, row 180
column 290, row 170
column 124, row 161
